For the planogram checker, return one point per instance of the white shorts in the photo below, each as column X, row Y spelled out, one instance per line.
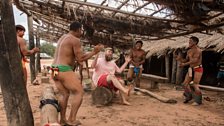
column 132, row 66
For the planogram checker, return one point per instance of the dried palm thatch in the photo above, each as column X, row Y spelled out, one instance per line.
column 108, row 21
column 163, row 47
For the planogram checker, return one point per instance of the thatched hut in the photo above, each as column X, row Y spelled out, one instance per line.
column 157, row 63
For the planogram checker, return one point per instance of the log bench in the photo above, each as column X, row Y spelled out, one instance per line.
column 102, row 96
column 155, row 80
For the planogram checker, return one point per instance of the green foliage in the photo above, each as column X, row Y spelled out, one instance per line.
column 47, row 48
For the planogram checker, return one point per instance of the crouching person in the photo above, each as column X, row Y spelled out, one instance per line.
column 104, row 74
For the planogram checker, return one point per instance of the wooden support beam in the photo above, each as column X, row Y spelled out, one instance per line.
column 38, row 65
column 167, row 66
column 15, row 97
column 119, row 7
column 179, row 74
column 31, row 46
column 174, row 70
column 157, row 11
column 210, row 88
column 156, row 96
column 123, row 12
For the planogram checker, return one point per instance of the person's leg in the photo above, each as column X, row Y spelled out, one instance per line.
column 117, row 84
column 138, row 78
column 130, row 74
column 63, row 100
column 25, row 75
column 123, row 97
column 73, row 84
column 187, row 89
column 197, row 91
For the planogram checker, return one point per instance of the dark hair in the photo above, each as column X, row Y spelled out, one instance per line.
column 75, row 26
column 195, row 39
column 139, row 41
column 20, row 28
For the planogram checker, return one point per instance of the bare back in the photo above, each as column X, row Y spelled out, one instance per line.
column 195, row 55
column 64, row 54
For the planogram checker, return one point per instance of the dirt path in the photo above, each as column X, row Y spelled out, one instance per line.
column 145, row 111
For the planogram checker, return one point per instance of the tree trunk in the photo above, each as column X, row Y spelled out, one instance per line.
column 174, row 70
column 31, row 46
column 16, row 102
column 38, row 65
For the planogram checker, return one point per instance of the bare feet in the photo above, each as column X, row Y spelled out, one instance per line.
column 75, row 123
column 126, row 103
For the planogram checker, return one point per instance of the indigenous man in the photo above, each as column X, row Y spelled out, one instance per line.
column 104, row 74
column 138, row 58
column 195, row 71
column 20, row 30
column 69, row 49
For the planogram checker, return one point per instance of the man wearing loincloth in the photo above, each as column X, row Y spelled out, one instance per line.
column 104, row 74
column 138, row 58
column 69, row 49
column 195, row 71
column 20, row 30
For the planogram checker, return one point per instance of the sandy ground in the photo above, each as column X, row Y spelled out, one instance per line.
column 144, row 111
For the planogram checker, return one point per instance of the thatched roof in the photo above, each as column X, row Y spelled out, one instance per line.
column 213, row 42
column 119, row 22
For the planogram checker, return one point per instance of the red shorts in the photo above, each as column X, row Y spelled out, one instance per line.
column 199, row 69
column 103, row 82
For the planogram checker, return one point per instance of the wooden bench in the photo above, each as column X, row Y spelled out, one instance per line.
column 155, row 80
column 102, row 96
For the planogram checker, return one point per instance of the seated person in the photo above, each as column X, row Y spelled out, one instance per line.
column 104, row 74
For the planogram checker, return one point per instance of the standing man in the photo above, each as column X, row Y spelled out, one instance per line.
column 138, row 58
column 67, row 83
column 195, row 71
column 104, row 74
column 20, row 30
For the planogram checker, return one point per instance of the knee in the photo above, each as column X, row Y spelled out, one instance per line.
column 110, row 77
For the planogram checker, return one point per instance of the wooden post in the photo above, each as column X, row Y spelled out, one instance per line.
column 174, row 70
column 179, row 74
column 167, row 66
column 38, row 65
column 49, row 113
column 16, row 102
column 31, row 46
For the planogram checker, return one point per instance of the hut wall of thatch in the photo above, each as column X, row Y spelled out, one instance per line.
column 212, row 46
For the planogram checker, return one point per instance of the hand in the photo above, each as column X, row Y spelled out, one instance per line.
column 181, row 65
column 98, row 48
column 128, row 58
column 35, row 49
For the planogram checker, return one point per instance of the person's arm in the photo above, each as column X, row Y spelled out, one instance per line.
column 192, row 59
column 127, row 60
column 95, row 61
column 79, row 53
column 24, row 50
column 131, row 56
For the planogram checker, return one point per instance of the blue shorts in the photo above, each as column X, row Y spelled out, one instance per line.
column 220, row 74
